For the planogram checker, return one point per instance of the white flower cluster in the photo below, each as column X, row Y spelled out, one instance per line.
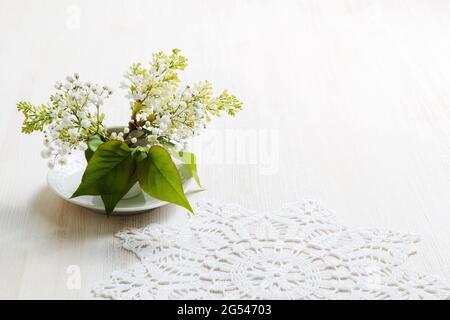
column 162, row 112
column 165, row 113
column 73, row 116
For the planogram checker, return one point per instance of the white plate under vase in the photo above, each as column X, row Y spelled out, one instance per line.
column 64, row 180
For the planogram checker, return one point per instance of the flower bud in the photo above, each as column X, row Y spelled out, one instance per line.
column 151, row 117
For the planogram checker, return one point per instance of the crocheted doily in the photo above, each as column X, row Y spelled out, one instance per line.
column 297, row 252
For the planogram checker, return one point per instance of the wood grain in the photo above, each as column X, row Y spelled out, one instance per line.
column 349, row 102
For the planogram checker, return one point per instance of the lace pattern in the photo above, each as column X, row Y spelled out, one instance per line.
column 297, row 252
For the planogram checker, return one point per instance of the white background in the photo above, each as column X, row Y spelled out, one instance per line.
column 357, row 93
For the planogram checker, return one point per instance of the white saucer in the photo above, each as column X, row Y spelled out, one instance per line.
column 64, row 180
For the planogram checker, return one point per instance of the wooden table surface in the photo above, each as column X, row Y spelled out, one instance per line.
column 346, row 102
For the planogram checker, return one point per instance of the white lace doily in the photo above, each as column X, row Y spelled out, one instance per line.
column 297, row 252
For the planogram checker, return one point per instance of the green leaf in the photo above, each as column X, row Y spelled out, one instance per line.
column 190, row 162
column 110, row 173
column 159, row 177
column 110, row 200
column 93, row 143
column 88, row 154
column 139, row 153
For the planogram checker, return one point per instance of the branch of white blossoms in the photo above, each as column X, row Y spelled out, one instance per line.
column 70, row 118
column 161, row 111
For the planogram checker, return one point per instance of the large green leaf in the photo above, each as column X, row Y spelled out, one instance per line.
column 190, row 163
column 110, row 173
column 110, row 200
column 159, row 177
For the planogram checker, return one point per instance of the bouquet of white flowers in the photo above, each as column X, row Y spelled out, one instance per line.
column 164, row 116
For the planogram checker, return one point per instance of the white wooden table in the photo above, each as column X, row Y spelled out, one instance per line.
column 349, row 101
